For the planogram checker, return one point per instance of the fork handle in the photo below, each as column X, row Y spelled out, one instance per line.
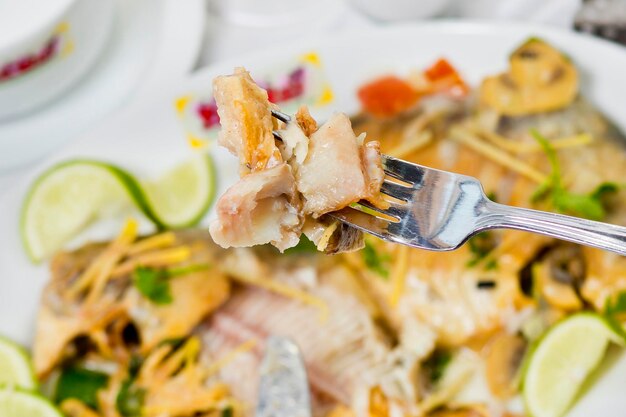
column 585, row 232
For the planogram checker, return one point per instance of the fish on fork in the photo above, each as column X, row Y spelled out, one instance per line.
column 438, row 210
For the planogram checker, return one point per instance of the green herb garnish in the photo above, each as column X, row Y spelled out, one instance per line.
column 591, row 206
column 304, row 246
column 375, row 261
column 130, row 399
column 615, row 312
column 480, row 245
column 227, row 412
column 154, row 284
column 435, row 366
column 81, row 384
column 616, row 305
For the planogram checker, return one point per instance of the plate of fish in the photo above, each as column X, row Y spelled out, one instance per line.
column 147, row 267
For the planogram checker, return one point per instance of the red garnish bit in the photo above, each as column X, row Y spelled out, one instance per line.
column 387, row 96
column 292, row 88
column 445, row 78
column 208, row 114
column 27, row 63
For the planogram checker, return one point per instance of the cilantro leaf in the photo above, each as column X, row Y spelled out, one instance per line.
column 591, row 206
column 153, row 284
column 615, row 312
column 80, row 383
column 480, row 245
column 616, row 305
column 375, row 261
column 130, row 399
column 435, row 366
column 304, row 246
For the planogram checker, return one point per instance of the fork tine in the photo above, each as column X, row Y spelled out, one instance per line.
column 283, row 117
column 362, row 221
column 402, row 170
column 395, row 190
column 394, row 210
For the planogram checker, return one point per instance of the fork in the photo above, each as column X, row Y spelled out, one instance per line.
column 440, row 211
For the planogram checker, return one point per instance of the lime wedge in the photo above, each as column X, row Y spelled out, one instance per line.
column 562, row 360
column 67, row 197
column 64, row 199
column 182, row 196
column 16, row 403
column 15, row 366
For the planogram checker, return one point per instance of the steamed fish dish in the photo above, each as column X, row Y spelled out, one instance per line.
column 174, row 325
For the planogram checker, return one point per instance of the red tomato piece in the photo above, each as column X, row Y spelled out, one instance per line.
column 387, row 96
column 445, row 78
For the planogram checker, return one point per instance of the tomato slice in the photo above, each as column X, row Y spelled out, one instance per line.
column 445, row 78
column 387, row 96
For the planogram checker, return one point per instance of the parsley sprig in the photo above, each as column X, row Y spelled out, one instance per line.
column 376, row 262
column 591, row 206
column 154, row 284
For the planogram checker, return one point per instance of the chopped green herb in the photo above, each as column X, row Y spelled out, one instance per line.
column 130, row 399
column 134, row 365
column 435, row 365
column 375, row 261
column 227, row 412
column 154, row 283
column 616, row 305
column 614, row 311
column 591, row 206
column 303, row 246
column 480, row 245
column 81, row 384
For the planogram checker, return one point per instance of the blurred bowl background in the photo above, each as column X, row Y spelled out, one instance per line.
column 39, row 61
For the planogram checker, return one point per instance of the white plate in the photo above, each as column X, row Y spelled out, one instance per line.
column 151, row 41
column 150, row 137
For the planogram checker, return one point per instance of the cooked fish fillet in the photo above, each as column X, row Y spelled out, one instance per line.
column 262, row 207
column 338, row 353
column 331, row 167
column 63, row 317
column 332, row 176
column 246, row 121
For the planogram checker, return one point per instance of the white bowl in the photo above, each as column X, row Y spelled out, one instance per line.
column 45, row 47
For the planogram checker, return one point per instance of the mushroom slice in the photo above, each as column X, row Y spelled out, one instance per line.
column 540, row 79
column 503, row 361
column 560, row 276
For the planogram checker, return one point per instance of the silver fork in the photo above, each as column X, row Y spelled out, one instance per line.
column 439, row 210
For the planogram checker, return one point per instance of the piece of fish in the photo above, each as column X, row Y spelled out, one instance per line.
column 338, row 352
column 62, row 318
column 332, row 176
column 262, row 207
column 325, row 168
column 246, row 121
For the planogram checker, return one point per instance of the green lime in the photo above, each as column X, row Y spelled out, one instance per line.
column 182, row 196
column 17, row 403
column 67, row 197
column 15, row 366
column 562, row 360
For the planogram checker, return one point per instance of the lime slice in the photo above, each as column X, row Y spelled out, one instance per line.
column 15, row 403
column 182, row 196
column 15, row 366
column 64, row 199
column 562, row 360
